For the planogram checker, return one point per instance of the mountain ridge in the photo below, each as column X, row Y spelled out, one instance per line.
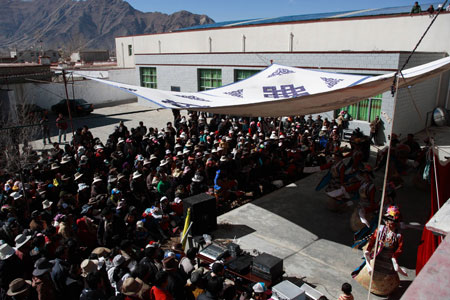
column 72, row 25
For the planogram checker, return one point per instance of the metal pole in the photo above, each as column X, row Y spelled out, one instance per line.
column 67, row 101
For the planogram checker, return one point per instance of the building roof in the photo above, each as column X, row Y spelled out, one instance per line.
column 312, row 17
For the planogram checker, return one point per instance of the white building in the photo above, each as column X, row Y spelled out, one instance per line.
column 371, row 42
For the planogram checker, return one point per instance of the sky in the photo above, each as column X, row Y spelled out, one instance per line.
column 230, row 10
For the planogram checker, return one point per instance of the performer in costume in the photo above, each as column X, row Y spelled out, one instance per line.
column 334, row 180
column 386, row 269
column 365, row 188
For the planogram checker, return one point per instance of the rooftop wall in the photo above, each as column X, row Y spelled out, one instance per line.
column 380, row 33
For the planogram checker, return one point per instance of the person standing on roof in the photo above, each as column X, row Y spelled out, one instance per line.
column 416, row 9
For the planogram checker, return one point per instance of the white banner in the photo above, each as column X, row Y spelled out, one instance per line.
column 284, row 91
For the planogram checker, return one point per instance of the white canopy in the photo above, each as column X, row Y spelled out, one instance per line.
column 284, row 91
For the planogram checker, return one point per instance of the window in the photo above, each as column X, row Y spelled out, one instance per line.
column 175, row 89
column 209, row 79
column 365, row 110
column 243, row 74
column 130, row 50
column 148, row 77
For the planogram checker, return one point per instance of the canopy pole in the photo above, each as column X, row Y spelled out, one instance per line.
column 386, row 173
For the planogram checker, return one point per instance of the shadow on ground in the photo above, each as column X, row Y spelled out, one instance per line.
column 232, row 231
column 302, row 205
column 92, row 121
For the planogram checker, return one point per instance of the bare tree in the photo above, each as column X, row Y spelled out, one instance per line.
column 19, row 127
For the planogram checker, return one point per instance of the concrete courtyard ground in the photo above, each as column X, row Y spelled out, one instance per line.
column 293, row 222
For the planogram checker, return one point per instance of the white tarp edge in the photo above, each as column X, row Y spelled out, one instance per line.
column 283, row 91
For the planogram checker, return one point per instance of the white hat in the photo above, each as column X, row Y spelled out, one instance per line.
column 21, row 240
column 163, row 198
column 118, row 260
column 140, row 224
column 197, row 178
column 16, row 195
column 136, row 175
column 177, row 200
column 273, row 136
column 324, row 128
column 164, row 162
column 168, row 152
column 97, row 179
column 65, row 160
column 153, row 156
column 46, row 204
column 78, row 175
column 120, row 141
column 6, row 251
column 223, row 158
column 82, row 186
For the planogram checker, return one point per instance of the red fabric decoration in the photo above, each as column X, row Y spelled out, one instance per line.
column 429, row 241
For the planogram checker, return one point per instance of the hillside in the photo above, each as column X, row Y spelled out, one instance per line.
column 71, row 25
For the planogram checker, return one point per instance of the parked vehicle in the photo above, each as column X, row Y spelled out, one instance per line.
column 78, row 107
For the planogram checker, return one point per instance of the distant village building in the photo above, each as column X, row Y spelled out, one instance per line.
column 90, row 56
column 32, row 56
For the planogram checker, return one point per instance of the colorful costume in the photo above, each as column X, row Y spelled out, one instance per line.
column 390, row 245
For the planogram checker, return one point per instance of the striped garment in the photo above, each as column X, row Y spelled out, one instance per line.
column 345, row 297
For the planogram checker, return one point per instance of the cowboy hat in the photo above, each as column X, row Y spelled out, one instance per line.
column 21, row 240
column 6, row 251
column 153, row 157
column 96, row 179
column 54, row 166
column 18, row 286
column 46, row 204
column 65, row 160
column 65, row 177
column 42, row 266
column 136, row 175
column 118, row 260
column 16, row 195
column 131, row 287
column 78, row 175
column 85, row 208
column 101, row 251
column 197, row 178
column 88, row 266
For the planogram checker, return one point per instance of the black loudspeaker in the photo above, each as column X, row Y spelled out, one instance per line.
column 203, row 213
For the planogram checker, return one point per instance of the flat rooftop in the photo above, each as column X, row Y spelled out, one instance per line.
column 373, row 12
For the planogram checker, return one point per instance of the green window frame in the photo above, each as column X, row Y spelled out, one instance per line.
column 244, row 74
column 365, row 110
column 209, row 79
column 148, row 77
